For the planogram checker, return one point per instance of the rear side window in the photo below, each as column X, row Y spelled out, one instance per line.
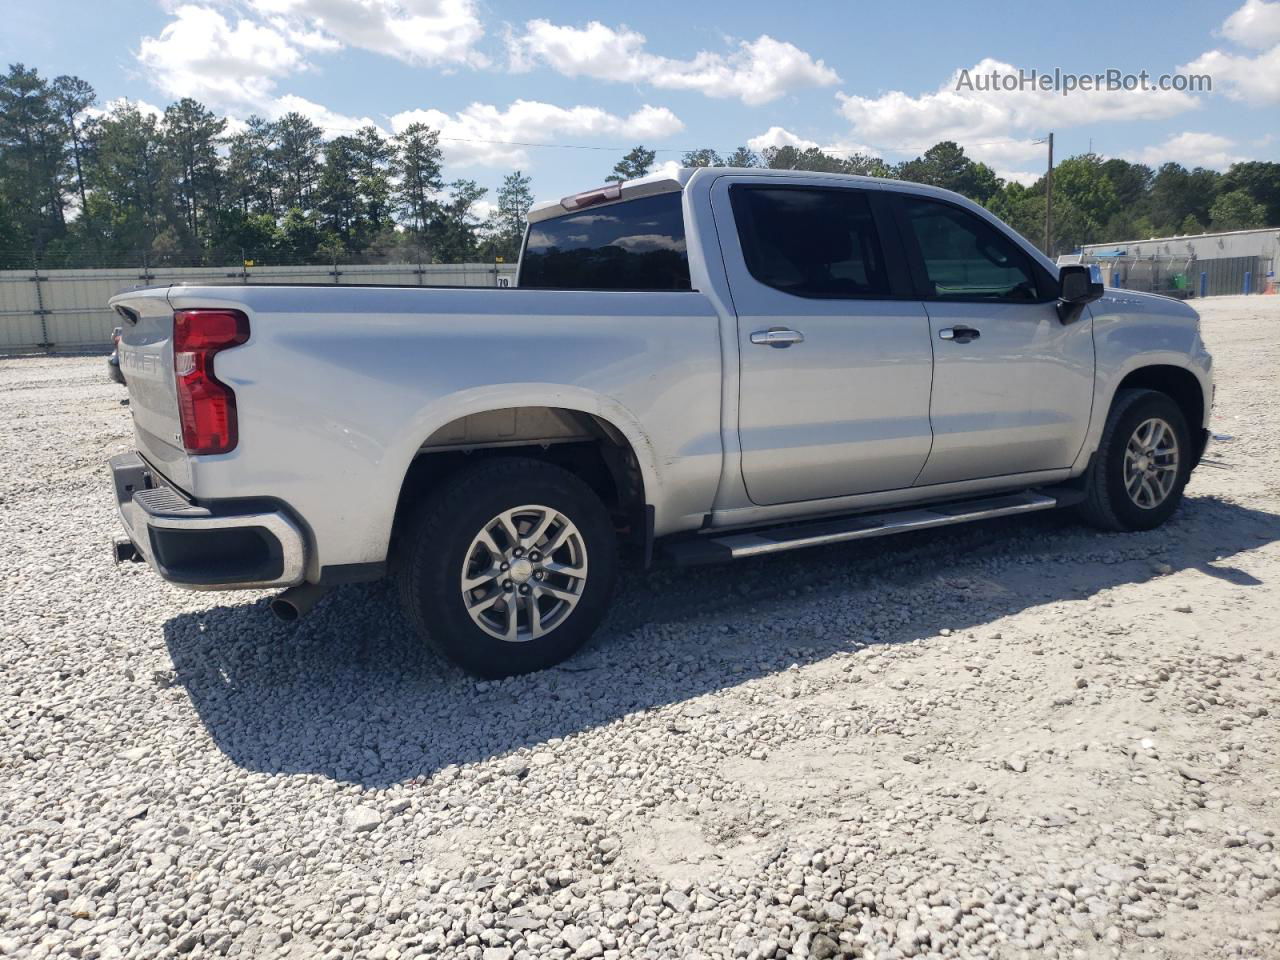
column 810, row 242
column 634, row 245
column 965, row 257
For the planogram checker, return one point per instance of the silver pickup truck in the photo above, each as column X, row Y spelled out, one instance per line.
column 718, row 364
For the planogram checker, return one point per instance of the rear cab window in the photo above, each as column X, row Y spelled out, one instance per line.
column 814, row 242
column 632, row 245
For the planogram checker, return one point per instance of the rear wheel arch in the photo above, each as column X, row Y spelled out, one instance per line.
column 584, row 443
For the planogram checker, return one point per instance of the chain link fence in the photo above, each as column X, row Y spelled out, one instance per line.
column 53, row 311
column 1185, row 277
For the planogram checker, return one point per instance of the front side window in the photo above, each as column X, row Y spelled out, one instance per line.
column 965, row 257
column 810, row 242
column 634, row 245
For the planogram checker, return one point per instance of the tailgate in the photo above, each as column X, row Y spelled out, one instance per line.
column 146, row 360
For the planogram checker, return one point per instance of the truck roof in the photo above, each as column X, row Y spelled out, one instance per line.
column 668, row 181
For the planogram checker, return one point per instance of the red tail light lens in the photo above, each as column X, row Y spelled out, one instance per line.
column 206, row 405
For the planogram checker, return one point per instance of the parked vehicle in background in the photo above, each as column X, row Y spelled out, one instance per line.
column 717, row 364
column 113, row 360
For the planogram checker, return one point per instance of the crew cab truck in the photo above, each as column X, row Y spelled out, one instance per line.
column 715, row 364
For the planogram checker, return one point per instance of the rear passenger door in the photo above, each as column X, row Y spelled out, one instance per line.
column 1012, row 384
column 834, row 350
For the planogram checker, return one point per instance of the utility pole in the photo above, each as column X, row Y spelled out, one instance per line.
column 1048, row 203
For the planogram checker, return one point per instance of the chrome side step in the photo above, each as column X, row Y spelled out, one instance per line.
column 712, row 548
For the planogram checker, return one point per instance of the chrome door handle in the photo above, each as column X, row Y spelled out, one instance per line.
column 959, row 333
column 777, row 337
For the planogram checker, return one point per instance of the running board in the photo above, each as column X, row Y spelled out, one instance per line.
column 712, row 548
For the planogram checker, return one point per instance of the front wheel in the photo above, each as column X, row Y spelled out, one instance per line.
column 509, row 567
column 1142, row 464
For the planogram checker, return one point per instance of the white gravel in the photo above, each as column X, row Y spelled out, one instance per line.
column 1016, row 739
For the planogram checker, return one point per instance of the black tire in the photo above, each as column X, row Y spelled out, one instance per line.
column 1108, row 505
column 437, row 540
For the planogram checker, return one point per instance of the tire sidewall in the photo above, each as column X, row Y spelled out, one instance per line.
column 1144, row 407
column 444, row 611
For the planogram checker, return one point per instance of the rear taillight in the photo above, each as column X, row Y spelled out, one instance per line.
column 206, row 405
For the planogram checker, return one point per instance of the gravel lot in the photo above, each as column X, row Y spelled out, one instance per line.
column 1014, row 739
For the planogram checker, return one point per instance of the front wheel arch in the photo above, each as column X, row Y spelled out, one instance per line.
column 1179, row 384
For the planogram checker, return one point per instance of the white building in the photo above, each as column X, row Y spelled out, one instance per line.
column 1199, row 265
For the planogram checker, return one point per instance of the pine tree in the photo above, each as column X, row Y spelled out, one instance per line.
column 506, row 225
column 299, row 143
column 633, row 166
column 418, row 170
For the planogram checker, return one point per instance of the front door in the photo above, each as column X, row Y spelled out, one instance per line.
column 1012, row 384
column 835, row 355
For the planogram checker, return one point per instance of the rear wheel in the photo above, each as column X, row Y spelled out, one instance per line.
column 1142, row 464
column 509, row 567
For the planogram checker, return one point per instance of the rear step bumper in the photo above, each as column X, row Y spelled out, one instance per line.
column 196, row 547
column 715, row 548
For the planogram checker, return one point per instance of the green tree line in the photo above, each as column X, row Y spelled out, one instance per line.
column 80, row 186
column 1094, row 200
column 84, row 187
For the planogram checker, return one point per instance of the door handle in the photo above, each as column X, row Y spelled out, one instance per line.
column 777, row 337
column 959, row 333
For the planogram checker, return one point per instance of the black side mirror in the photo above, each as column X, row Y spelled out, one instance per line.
column 1076, row 287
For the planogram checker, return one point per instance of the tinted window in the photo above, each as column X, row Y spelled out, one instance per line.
column 633, row 245
column 965, row 257
column 812, row 243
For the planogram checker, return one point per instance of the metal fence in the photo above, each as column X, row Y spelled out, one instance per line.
column 66, row 310
column 1186, row 277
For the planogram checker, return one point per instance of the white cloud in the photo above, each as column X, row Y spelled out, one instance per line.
column 1024, row 177
column 846, row 149
column 997, row 153
column 667, row 168
column 1192, row 150
column 779, row 137
column 901, row 122
column 202, row 54
column 757, row 71
column 333, row 124
column 782, row 137
column 421, row 32
column 467, row 137
column 648, row 242
column 1255, row 25
column 239, row 57
column 1241, row 77
column 141, row 105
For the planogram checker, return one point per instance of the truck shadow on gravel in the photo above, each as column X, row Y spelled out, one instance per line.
column 349, row 693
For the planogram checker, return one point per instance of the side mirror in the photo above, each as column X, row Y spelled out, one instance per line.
column 1076, row 287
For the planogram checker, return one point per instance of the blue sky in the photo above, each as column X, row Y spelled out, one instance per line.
column 674, row 76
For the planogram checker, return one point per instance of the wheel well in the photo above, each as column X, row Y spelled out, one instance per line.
column 587, row 446
column 1179, row 384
